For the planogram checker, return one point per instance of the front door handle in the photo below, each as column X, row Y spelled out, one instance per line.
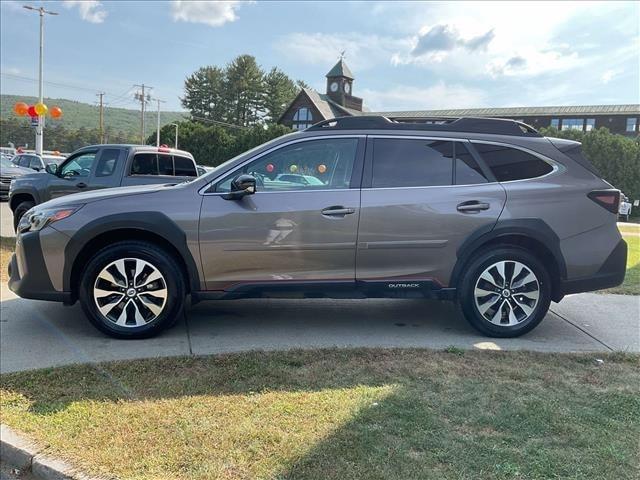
column 472, row 206
column 81, row 185
column 338, row 211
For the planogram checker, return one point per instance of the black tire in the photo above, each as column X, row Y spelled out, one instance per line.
column 21, row 209
column 162, row 261
column 473, row 271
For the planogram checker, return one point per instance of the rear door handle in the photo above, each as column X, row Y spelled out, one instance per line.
column 81, row 185
column 472, row 206
column 338, row 211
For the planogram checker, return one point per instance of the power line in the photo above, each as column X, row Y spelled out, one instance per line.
column 218, row 122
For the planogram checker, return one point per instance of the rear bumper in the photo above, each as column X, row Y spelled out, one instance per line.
column 610, row 274
column 28, row 276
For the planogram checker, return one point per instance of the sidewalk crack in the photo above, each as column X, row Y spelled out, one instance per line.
column 582, row 330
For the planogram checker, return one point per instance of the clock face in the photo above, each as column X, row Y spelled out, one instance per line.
column 347, row 87
column 334, row 87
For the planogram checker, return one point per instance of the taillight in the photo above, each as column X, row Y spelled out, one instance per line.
column 607, row 199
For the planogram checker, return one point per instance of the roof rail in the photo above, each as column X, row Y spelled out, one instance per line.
column 496, row 126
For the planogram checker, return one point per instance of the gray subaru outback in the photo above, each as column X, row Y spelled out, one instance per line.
column 485, row 212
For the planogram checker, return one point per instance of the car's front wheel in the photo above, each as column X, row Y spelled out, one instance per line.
column 132, row 290
column 505, row 292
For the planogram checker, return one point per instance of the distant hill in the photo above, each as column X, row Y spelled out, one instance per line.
column 78, row 114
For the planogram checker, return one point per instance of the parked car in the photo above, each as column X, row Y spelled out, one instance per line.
column 9, row 172
column 624, row 212
column 36, row 162
column 98, row 167
column 483, row 211
column 202, row 169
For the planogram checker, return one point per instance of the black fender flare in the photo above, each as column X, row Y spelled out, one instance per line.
column 533, row 228
column 32, row 192
column 153, row 222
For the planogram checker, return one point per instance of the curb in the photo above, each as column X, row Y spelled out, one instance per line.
column 17, row 452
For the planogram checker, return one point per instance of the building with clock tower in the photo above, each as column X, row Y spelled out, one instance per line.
column 311, row 107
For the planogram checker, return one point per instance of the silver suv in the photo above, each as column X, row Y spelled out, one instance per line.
column 486, row 212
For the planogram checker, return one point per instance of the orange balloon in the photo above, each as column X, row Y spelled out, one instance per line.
column 56, row 112
column 21, row 108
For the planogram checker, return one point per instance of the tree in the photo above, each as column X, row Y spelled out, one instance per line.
column 205, row 93
column 279, row 91
column 241, row 93
column 615, row 156
column 244, row 91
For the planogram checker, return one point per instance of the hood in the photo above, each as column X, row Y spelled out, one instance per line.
column 15, row 171
column 104, row 194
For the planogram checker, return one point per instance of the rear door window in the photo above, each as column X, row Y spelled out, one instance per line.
column 144, row 164
column 468, row 172
column 507, row 163
column 184, row 167
column 24, row 161
column 401, row 162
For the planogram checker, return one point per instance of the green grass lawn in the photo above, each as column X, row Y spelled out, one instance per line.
column 338, row 414
column 631, row 285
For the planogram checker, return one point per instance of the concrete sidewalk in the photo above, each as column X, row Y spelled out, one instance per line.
column 41, row 334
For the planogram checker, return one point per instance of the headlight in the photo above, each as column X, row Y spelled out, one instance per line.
column 38, row 218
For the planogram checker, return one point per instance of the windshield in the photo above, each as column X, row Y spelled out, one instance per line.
column 6, row 163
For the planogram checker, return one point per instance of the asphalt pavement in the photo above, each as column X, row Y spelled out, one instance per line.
column 37, row 334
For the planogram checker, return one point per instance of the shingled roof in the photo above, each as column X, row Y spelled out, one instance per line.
column 340, row 69
column 519, row 111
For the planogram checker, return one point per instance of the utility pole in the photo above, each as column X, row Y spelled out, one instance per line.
column 40, row 127
column 101, row 95
column 143, row 98
column 158, row 128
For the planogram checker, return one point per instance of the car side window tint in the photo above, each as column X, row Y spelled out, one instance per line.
column 107, row 163
column 401, row 162
column 184, row 167
column 165, row 165
column 79, row 166
column 468, row 172
column 35, row 162
column 24, row 161
column 509, row 164
column 144, row 164
column 310, row 165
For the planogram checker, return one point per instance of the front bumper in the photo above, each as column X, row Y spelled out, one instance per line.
column 28, row 276
column 610, row 274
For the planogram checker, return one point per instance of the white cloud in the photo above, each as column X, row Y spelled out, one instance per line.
column 90, row 10
column 607, row 76
column 438, row 96
column 214, row 14
column 363, row 51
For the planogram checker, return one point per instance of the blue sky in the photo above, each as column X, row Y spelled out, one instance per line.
column 404, row 55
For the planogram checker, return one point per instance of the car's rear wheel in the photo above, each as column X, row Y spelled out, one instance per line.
column 505, row 292
column 18, row 213
column 132, row 290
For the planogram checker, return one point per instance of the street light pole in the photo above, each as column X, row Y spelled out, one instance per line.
column 176, row 142
column 40, row 127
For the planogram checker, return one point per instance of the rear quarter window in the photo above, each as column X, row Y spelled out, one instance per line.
column 508, row 164
column 184, row 167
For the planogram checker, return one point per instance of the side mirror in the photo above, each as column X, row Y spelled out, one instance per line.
column 242, row 185
column 51, row 168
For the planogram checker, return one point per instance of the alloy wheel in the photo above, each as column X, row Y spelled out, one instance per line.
column 507, row 293
column 130, row 292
